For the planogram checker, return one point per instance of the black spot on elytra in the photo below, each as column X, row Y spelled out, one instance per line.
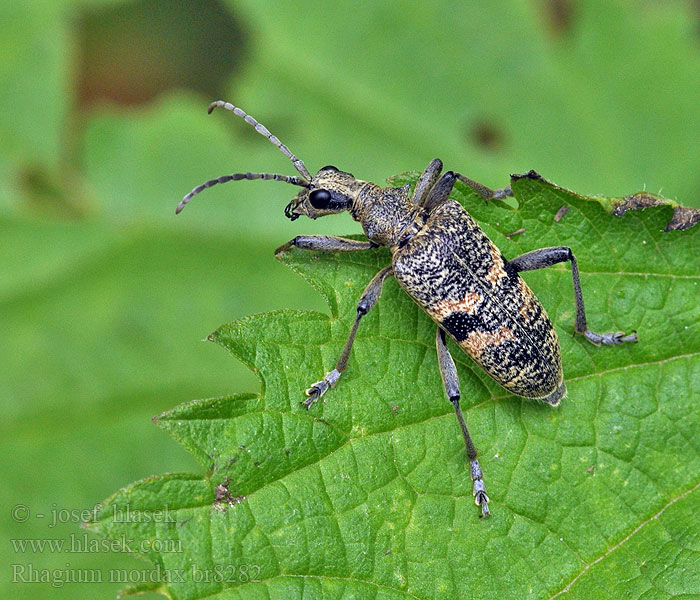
column 459, row 325
column 510, row 271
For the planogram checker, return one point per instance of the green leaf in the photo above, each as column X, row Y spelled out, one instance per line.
column 368, row 494
column 106, row 295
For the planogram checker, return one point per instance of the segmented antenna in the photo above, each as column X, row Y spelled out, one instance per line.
column 299, row 165
column 262, row 130
column 293, row 179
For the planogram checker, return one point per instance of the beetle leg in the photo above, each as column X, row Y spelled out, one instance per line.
column 441, row 190
column 326, row 243
column 485, row 192
column 546, row 257
column 450, row 381
column 367, row 301
column 426, row 182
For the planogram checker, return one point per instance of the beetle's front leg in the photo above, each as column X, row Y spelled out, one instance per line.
column 546, row 257
column 367, row 301
column 448, row 373
column 326, row 243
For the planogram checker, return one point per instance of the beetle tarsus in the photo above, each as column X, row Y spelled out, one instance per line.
column 482, row 500
column 479, row 493
column 314, row 393
column 609, row 339
column 321, row 387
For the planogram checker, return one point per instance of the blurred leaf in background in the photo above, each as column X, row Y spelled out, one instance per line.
column 105, row 295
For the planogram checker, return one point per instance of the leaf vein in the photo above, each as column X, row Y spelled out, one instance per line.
column 612, row 549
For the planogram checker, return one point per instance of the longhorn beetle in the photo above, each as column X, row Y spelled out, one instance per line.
column 446, row 264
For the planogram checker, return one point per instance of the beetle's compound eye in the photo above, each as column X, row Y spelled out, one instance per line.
column 331, row 168
column 320, row 199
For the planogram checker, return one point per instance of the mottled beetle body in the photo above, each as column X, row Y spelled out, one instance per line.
column 456, row 275
column 443, row 260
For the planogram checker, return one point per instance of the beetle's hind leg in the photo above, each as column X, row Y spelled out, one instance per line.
column 367, row 301
column 486, row 192
column 450, row 381
column 546, row 257
column 426, row 182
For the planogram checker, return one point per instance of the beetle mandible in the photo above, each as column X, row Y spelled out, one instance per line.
column 443, row 260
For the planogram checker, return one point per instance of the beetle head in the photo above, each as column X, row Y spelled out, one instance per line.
column 330, row 191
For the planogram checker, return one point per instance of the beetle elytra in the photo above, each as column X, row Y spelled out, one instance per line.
column 444, row 261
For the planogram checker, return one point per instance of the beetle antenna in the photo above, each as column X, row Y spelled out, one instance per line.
column 262, row 130
column 293, row 179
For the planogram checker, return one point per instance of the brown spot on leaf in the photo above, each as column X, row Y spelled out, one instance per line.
column 516, row 232
column 683, row 218
column 561, row 212
column 634, row 202
column 224, row 498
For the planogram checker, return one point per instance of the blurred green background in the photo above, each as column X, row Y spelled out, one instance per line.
column 105, row 296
